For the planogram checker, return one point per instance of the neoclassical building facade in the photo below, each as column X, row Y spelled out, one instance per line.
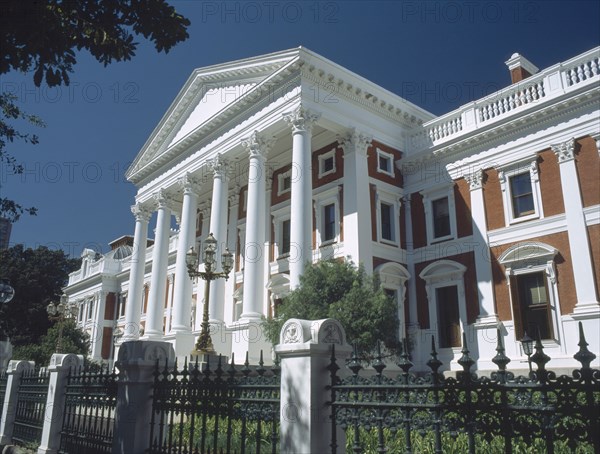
column 482, row 219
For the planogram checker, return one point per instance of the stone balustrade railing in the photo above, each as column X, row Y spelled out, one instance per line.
column 515, row 100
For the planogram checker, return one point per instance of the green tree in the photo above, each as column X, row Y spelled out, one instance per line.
column 74, row 340
column 334, row 289
column 43, row 37
column 38, row 276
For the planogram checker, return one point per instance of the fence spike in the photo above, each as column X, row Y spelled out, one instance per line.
column 500, row 360
column 404, row 361
column 378, row 363
column 584, row 356
column 333, row 367
column 465, row 361
column 540, row 359
column 354, row 364
column 434, row 363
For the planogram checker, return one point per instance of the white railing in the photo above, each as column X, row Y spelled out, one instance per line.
column 514, row 100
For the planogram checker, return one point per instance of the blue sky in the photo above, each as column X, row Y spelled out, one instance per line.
column 437, row 54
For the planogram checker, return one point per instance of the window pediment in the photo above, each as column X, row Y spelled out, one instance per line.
column 442, row 270
column 528, row 252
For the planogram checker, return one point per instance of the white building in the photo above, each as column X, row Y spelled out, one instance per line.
column 484, row 218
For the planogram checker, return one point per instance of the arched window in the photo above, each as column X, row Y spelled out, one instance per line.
column 445, row 287
column 393, row 277
column 531, row 277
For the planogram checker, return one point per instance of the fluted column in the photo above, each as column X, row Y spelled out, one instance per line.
column 583, row 267
column 133, row 309
column 301, row 121
column 218, row 227
column 160, row 258
column 182, row 299
column 357, row 226
column 258, row 147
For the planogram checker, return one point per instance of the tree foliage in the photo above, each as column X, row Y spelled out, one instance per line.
column 38, row 276
column 74, row 340
column 43, row 37
column 333, row 289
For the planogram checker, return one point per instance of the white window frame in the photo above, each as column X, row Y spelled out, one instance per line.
column 505, row 173
column 280, row 177
column 386, row 155
column 279, row 217
column 429, row 196
column 322, row 158
column 394, row 202
column 445, row 273
column 320, row 201
column 122, row 297
column 91, row 309
column 531, row 257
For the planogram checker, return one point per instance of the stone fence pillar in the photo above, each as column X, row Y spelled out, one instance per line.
column 136, row 363
column 15, row 371
column 305, row 352
column 60, row 365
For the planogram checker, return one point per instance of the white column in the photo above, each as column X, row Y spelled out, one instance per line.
column 218, row 227
column 234, row 198
column 160, row 258
column 133, row 309
column 182, row 298
column 301, row 121
column 254, row 286
column 583, row 266
column 483, row 265
column 357, row 225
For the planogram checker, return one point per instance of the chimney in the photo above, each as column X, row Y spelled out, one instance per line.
column 520, row 68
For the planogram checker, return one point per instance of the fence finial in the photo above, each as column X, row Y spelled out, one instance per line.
column 434, row 363
column 584, row 356
column 378, row 363
column 465, row 360
column 354, row 364
column 404, row 361
column 500, row 360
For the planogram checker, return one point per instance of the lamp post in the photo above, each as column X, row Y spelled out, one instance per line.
column 527, row 343
column 61, row 312
column 6, row 291
column 204, row 343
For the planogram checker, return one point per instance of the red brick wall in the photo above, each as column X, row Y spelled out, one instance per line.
column 106, row 343
column 462, row 200
column 109, row 308
column 492, row 196
column 588, row 169
column 594, row 236
column 373, row 197
column 418, row 220
column 552, row 197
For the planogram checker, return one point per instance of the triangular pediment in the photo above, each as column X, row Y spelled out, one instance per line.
column 210, row 97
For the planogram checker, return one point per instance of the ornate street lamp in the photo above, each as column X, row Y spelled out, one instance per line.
column 527, row 344
column 61, row 312
column 6, row 291
column 204, row 343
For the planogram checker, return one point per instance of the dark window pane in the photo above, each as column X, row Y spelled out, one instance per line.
column 287, row 183
column 384, row 163
column 328, row 164
column 522, row 196
column 534, row 306
column 387, row 222
column 285, row 237
column 329, row 222
column 448, row 317
column 441, row 218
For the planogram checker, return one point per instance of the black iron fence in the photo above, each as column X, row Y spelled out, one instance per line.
column 90, row 401
column 500, row 413
column 30, row 410
column 215, row 408
column 3, row 380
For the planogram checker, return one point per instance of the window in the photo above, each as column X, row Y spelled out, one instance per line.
column 440, row 213
column 448, row 318
column 327, row 163
column 81, row 311
column 392, row 277
column 284, row 182
column 533, row 307
column 445, row 287
column 328, row 223
column 122, row 304
column 531, row 276
column 285, row 237
column 385, row 162
column 521, row 191
column 387, row 222
column 90, row 314
column 522, row 195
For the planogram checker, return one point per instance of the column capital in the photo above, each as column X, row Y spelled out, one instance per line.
column 353, row 139
column 189, row 184
column 475, row 179
column 258, row 145
column 564, row 151
column 163, row 199
column 219, row 166
column 301, row 119
column 141, row 212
